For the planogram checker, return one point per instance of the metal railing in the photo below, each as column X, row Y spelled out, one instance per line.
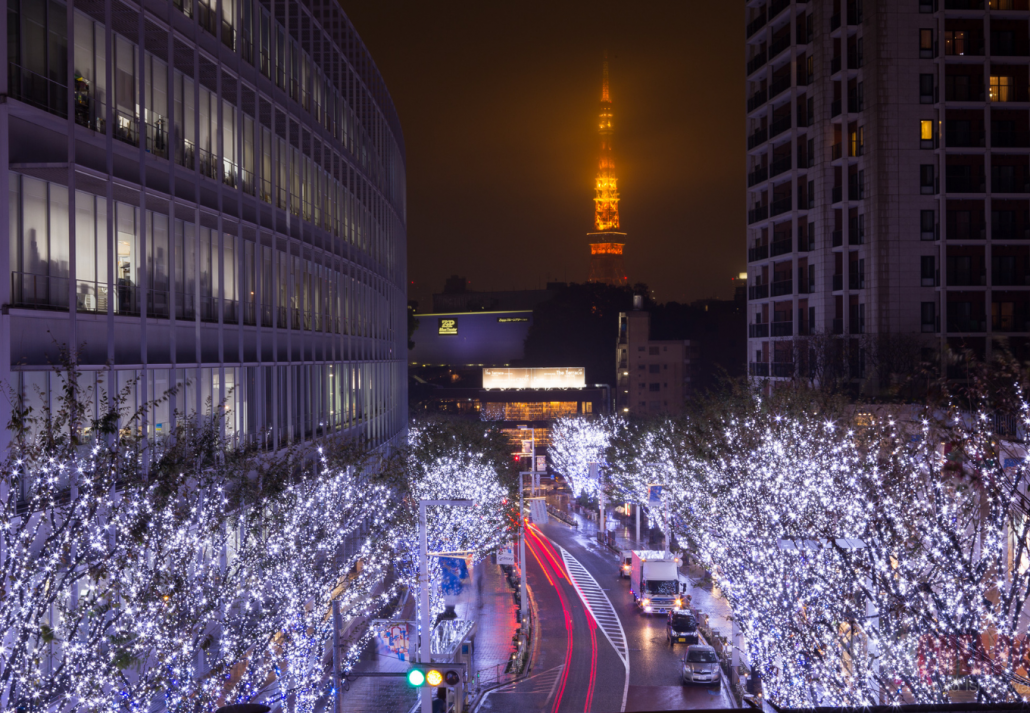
column 781, row 205
column 758, row 330
column 37, row 90
column 208, row 163
column 39, row 291
column 91, row 296
column 759, row 368
column 782, row 247
column 778, row 45
column 782, row 287
column 783, row 329
column 759, row 253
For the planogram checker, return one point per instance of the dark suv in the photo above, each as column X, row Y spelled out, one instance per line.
column 681, row 627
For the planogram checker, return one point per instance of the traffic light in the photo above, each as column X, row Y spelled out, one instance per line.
column 434, row 675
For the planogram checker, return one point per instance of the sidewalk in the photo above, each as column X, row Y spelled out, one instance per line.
column 492, row 608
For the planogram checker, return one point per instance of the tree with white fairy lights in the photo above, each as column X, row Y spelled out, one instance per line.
column 576, row 442
column 451, row 461
column 204, row 578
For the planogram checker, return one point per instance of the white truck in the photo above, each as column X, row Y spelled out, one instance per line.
column 654, row 581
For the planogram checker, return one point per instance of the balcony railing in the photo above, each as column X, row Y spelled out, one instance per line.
column 838, row 283
column 756, row 63
column 835, row 64
column 837, row 194
column 781, row 205
column 837, row 238
column 964, row 139
column 965, row 184
column 779, row 126
column 91, row 296
column 755, row 25
column 965, row 231
column 782, row 287
column 757, row 138
column 757, row 331
column 757, row 176
column 1009, row 138
column 759, row 368
column 776, row 6
column 1009, row 232
column 837, row 326
column 778, row 86
column 782, row 247
column 759, row 253
column 39, row 291
column 856, row 281
column 835, row 108
column 1008, row 184
column 782, row 329
column 758, row 292
column 780, row 165
column 856, row 191
column 783, row 370
column 756, row 100
column 966, row 324
column 756, row 214
column 37, row 90
column 778, row 45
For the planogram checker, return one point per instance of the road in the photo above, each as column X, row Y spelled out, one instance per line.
column 580, row 661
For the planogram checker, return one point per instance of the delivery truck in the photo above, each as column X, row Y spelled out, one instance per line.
column 654, row 581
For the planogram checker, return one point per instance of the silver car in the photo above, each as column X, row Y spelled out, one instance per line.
column 701, row 665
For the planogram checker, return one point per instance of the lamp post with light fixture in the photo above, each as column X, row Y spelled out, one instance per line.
column 426, row 651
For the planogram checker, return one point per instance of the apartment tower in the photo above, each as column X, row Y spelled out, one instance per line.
column 888, row 144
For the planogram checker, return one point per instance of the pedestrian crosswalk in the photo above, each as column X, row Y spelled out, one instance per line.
column 600, row 607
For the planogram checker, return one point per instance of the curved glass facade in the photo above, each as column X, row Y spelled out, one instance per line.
column 209, row 195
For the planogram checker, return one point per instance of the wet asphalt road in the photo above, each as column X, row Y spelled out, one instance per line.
column 654, row 667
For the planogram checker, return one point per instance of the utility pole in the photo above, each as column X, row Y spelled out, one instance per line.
column 426, row 649
column 337, row 682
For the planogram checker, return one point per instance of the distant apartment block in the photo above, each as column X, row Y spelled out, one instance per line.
column 888, row 185
column 653, row 376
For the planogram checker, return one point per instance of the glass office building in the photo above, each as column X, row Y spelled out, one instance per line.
column 208, row 195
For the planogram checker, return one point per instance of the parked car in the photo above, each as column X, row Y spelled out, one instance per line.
column 701, row 665
column 625, row 563
column 681, row 627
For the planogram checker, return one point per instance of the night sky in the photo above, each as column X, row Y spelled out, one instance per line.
column 499, row 103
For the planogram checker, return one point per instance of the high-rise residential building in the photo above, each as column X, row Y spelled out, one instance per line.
column 606, row 243
column 888, row 183
column 206, row 200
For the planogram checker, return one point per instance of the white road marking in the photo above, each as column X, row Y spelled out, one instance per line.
column 601, row 609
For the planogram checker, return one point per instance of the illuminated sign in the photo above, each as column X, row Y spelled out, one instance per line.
column 448, row 326
column 573, row 377
column 504, row 320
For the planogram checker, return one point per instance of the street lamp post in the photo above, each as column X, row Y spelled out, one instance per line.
column 426, row 651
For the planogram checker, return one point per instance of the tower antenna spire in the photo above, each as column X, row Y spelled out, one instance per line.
column 607, row 242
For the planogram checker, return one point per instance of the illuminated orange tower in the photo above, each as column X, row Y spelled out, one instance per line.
column 607, row 243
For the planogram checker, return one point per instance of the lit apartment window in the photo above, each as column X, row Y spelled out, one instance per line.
column 1001, row 5
column 926, row 134
column 926, row 44
column 1001, row 89
column 955, row 42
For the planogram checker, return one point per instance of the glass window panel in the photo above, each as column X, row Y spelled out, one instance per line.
column 35, row 253
column 60, row 248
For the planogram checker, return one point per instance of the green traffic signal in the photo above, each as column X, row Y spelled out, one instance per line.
column 416, row 677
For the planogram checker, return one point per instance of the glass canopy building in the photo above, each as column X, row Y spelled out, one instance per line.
column 209, row 195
